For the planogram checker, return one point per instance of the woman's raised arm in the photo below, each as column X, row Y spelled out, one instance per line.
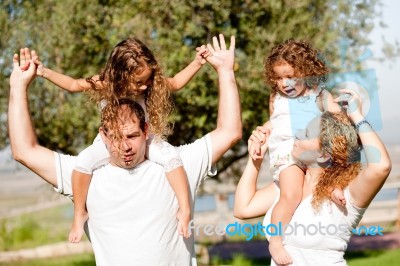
column 370, row 180
column 251, row 202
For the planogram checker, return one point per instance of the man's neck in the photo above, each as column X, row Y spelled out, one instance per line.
column 127, row 167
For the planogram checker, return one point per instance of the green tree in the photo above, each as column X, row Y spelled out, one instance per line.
column 75, row 37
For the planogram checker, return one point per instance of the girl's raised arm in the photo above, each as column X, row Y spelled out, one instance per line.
column 63, row 81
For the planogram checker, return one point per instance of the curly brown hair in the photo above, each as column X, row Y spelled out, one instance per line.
column 339, row 140
column 111, row 117
column 299, row 54
column 117, row 80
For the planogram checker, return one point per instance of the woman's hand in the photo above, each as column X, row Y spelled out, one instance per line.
column 351, row 102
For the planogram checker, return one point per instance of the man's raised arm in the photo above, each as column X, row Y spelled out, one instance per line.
column 229, row 121
column 24, row 145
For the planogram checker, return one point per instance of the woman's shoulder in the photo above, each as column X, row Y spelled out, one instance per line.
column 350, row 204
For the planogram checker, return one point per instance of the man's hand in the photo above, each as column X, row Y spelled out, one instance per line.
column 24, row 70
column 220, row 57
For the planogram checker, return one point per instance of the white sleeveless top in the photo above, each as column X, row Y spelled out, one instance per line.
column 290, row 115
column 319, row 238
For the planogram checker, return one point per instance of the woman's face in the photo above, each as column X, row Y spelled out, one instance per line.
column 306, row 147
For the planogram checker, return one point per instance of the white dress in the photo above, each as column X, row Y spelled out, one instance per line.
column 290, row 115
column 319, row 238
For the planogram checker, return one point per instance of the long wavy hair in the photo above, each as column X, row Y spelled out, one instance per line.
column 128, row 59
column 111, row 117
column 299, row 54
column 339, row 141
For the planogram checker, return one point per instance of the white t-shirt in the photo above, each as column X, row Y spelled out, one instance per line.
column 133, row 212
column 319, row 238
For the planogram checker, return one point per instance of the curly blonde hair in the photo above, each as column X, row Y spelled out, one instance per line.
column 128, row 59
column 300, row 55
column 338, row 140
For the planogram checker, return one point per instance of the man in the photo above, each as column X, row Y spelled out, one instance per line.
column 131, row 206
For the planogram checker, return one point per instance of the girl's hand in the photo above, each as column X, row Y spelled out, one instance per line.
column 26, row 56
column 257, row 143
column 202, row 54
column 40, row 67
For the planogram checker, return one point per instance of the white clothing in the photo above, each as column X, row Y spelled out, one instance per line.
column 158, row 150
column 319, row 238
column 133, row 212
column 290, row 115
column 92, row 157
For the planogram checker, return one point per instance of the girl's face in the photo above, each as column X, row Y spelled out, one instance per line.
column 306, row 147
column 288, row 82
column 143, row 80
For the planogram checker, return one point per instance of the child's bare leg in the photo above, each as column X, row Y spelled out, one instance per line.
column 179, row 183
column 290, row 182
column 337, row 196
column 80, row 187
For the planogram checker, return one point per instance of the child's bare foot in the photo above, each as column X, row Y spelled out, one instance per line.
column 183, row 223
column 76, row 232
column 278, row 252
column 337, row 196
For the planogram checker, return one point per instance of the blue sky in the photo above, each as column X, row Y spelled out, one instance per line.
column 388, row 72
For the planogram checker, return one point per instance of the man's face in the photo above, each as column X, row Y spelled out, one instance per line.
column 130, row 150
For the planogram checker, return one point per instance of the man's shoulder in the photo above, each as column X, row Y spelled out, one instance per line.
column 199, row 143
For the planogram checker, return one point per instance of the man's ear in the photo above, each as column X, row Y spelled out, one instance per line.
column 103, row 136
column 146, row 130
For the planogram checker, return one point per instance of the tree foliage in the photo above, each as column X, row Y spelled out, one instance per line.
column 76, row 37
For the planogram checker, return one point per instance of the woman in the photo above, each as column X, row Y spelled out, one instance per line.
column 330, row 148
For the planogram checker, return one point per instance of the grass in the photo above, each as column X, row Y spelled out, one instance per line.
column 52, row 226
column 39, row 228
column 76, row 260
column 374, row 258
column 365, row 258
column 240, row 260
